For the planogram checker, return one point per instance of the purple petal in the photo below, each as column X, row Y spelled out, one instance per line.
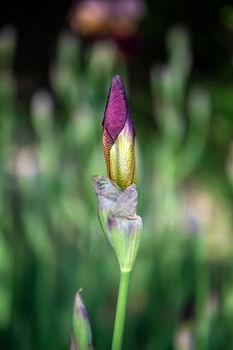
column 117, row 110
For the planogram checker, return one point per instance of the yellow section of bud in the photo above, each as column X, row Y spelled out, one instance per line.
column 122, row 160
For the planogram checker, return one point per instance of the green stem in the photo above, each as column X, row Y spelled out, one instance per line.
column 120, row 311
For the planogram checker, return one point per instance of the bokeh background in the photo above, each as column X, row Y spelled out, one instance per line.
column 56, row 64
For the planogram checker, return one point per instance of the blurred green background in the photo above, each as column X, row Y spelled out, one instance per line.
column 176, row 62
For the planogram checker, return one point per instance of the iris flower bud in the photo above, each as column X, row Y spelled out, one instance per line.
column 81, row 337
column 119, row 136
column 117, row 194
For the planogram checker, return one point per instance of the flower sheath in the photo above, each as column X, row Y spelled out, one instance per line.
column 118, row 218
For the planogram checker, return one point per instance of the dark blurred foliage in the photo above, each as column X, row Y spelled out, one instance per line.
column 38, row 26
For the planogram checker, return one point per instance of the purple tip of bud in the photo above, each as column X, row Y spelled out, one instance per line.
column 117, row 112
column 83, row 312
column 80, row 307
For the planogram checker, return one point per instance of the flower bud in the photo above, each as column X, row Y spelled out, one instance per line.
column 81, row 337
column 119, row 136
column 117, row 195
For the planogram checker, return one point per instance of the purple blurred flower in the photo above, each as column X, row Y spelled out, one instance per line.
column 106, row 16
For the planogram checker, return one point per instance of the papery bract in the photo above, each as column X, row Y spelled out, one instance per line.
column 125, row 228
column 118, row 218
column 107, row 193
